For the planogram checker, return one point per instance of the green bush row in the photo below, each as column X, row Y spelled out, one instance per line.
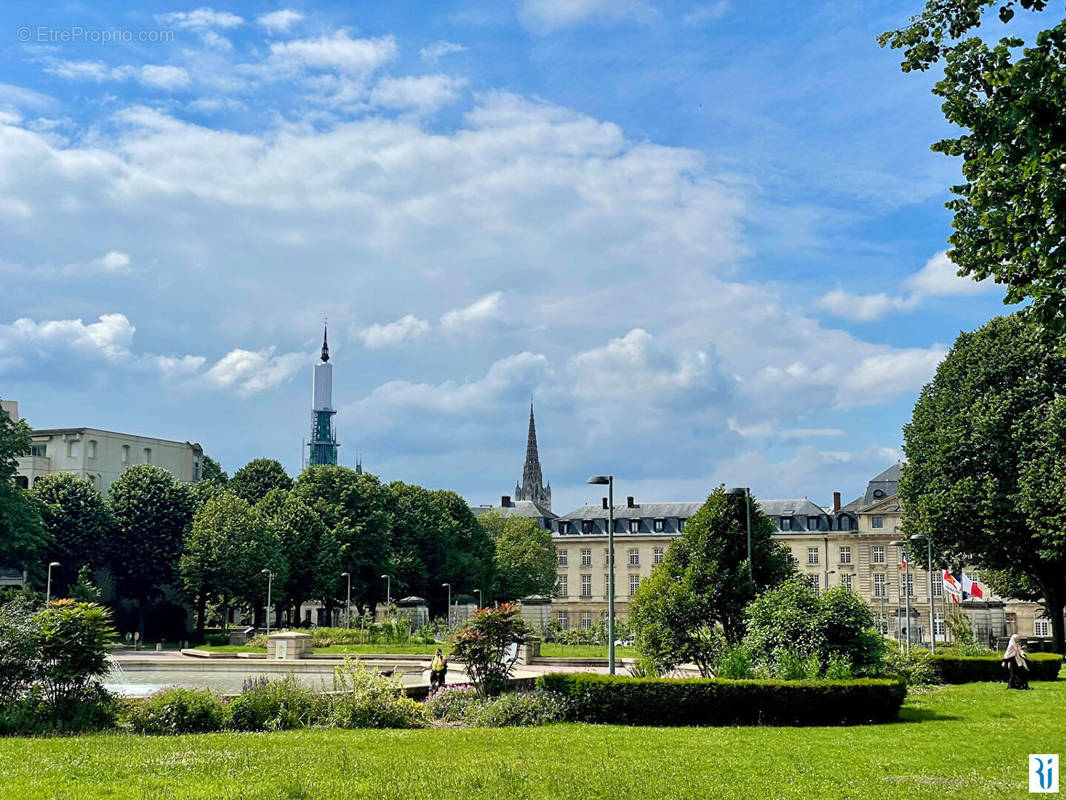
column 614, row 699
column 463, row 705
column 969, row 669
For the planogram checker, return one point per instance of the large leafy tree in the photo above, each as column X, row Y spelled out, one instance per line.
column 352, row 506
column 259, row 476
column 151, row 513
column 212, row 471
column 1010, row 102
column 703, row 582
column 525, row 557
column 986, row 466
column 78, row 523
column 22, row 536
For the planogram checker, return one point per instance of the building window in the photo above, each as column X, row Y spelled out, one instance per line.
column 815, row 524
column 846, row 580
column 879, row 522
column 939, row 628
column 880, row 588
column 586, row 620
column 813, row 581
column 812, row 555
column 73, row 448
column 845, row 555
column 938, row 586
column 634, row 582
column 22, row 482
column 38, row 450
column 786, row 523
column 845, row 523
column 560, row 586
column 656, row 555
column 681, row 524
column 564, row 620
column 634, row 526
column 586, row 586
column 660, row 525
column 90, row 449
column 563, row 556
column 586, row 557
column 634, row 557
column 908, row 585
column 1041, row 626
column 586, row 526
column 148, row 455
column 125, row 454
column 879, row 554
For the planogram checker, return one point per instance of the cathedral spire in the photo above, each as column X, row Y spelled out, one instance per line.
column 533, row 487
column 325, row 343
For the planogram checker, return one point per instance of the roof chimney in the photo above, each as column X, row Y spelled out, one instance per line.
column 630, row 503
column 836, row 501
column 605, row 502
column 505, row 501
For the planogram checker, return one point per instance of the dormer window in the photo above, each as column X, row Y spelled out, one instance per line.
column 660, row 525
column 587, row 526
column 634, row 526
column 845, row 523
column 786, row 523
column 564, row 526
column 681, row 524
column 879, row 522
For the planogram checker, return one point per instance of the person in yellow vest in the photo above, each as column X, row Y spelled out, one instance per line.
column 438, row 670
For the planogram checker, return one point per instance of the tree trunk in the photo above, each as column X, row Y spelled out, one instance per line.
column 201, row 615
column 1053, row 605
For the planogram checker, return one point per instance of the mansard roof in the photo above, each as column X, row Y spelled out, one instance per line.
column 637, row 511
column 517, row 508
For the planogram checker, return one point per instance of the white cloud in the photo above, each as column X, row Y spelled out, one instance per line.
column 216, row 41
column 432, row 53
column 803, row 433
column 425, row 93
column 337, row 51
column 707, row 13
column 545, row 16
column 251, row 371
column 764, row 428
column 163, row 77
column 112, row 261
column 393, row 334
column 200, row 19
column 109, row 337
column 487, row 309
column 19, row 97
column 938, row 278
column 178, row 366
column 280, row 21
column 88, row 71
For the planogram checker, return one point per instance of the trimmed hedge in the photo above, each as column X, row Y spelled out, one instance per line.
column 969, row 669
column 620, row 700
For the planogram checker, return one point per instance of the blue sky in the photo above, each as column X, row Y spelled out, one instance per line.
column 707, row 236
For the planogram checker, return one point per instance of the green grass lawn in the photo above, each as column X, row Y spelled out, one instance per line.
column 548, row 650
column 969, row 741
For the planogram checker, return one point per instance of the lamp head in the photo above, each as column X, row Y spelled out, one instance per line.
column 54, row 564
column 446, row 584
column 346, row 574
column 898, row 543
column 600, row 480
column 265, row 572
column 917, row 537
column 384, row 576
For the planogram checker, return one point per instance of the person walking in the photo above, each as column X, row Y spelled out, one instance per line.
column 1018, row 665
column 438, row 670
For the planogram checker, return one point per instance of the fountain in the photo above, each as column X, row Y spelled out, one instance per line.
column 118, row 683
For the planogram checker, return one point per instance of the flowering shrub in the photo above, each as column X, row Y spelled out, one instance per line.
column 371, row 700
column 483, row 642
column 275, row 706
column 517, row 709
column 449, row 703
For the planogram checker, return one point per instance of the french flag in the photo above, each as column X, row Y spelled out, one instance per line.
column 969, row 588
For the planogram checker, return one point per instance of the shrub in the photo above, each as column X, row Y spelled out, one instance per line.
column 914, row 668
column 19, row 658
column 217, row 639
column 94, row 710
column 449, row 703
column 275, row 705
column 177, row 710
column 482, row 643
column 371, row 700
column 513, row 709
column 967, row 669
column 72, row 641
column 838, row 668
column 735, row 663
column 789, row 665
column 614, row 699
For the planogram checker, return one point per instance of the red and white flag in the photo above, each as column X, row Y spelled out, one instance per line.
column 952, row 586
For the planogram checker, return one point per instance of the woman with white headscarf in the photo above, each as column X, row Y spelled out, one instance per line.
column 1014, row 660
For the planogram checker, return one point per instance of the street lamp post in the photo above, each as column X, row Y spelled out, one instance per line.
column 906, row 589
column 449, row 615
column 747, row 509
column 48, row 590
column 388, row 594
column 348, row 607
column 608, row 481
column 479, row 600
column 932, row 611
column 270, row 582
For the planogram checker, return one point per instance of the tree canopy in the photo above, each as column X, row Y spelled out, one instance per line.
column 78, row 522
column 985, row 475
column 1010, row 101
column 259, row 476
column 22, row 536
column 525, row 557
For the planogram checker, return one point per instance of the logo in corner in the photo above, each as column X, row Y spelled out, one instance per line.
column 1043, row 773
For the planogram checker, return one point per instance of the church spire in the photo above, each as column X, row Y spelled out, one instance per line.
column 325, row 344
column 533, row 487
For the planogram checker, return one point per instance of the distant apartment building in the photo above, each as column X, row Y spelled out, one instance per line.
column 100, row 456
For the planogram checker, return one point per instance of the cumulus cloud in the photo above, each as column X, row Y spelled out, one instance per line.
column 487, row 309
column 163, row 76
column 251, row 371
column 938, row 278
column 432, row 53
column 335, row 51
column 393, row 334
column 151, row 75
column 280, row 21
column 425, row 94
column 109, row 337
column 545, row 16
column 201, row 19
